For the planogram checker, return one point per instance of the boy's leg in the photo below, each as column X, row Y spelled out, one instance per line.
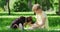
column 31, row 27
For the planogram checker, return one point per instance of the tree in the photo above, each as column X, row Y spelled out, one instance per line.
column 8, row 6
column 30, row 4
column 48, row 4
column 58, row 12
column 52, row 4
column 21, row 6
column 35, row 1
column 59, row 9
column 2, row 3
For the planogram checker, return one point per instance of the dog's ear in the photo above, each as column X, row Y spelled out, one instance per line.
column 29, row 19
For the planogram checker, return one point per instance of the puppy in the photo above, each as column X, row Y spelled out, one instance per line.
column 21, row 22
column 15, row 23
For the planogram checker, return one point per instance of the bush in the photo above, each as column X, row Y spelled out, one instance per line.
column 21, row 6
column 1, row 10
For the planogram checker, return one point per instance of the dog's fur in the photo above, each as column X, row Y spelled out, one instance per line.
column 17, row 21
column 21, row 20
column 29, row 19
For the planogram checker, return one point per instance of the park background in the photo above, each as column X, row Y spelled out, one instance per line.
column 12, row 9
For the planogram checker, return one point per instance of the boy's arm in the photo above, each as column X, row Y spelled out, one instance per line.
column 25, row 24
column 42, row 23
column 43, row 19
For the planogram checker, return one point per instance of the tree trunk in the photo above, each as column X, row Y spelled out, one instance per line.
column 59, row 8
column 35, row 1
column 48, row 4
column 58, row 12
column 59, row 5
column 8, row 7
column 30, row 4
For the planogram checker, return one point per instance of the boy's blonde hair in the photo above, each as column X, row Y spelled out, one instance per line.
column 36, row 7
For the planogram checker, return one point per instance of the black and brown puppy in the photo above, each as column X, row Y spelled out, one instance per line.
column 16, row 22
column 22, row 20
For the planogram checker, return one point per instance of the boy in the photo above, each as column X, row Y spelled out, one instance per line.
column 40, row 18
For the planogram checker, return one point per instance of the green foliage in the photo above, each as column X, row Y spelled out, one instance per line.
column 21, row 6
column 48, row 5
column 34, row 19
column 1, row 9
column 2, row 3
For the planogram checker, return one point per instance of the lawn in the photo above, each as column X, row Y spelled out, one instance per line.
column 5, row 22
column 26, row 13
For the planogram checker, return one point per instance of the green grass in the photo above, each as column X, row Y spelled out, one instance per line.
column 55, row 20
column 25, row 13
column 12, row 14
column 36, row 30
column 8, row 19
column 17, row 13
column 4, row 29
column 5, row 20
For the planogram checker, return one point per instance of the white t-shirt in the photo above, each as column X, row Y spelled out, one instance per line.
column 39, row 18
column 40, row 22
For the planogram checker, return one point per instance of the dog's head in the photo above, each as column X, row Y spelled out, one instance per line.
column 29, row 19
column 22, row 19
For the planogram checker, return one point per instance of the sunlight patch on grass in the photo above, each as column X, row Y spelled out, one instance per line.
column 20, row 16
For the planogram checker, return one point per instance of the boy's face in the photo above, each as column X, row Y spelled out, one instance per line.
column 34, row 9
column 37, row 11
